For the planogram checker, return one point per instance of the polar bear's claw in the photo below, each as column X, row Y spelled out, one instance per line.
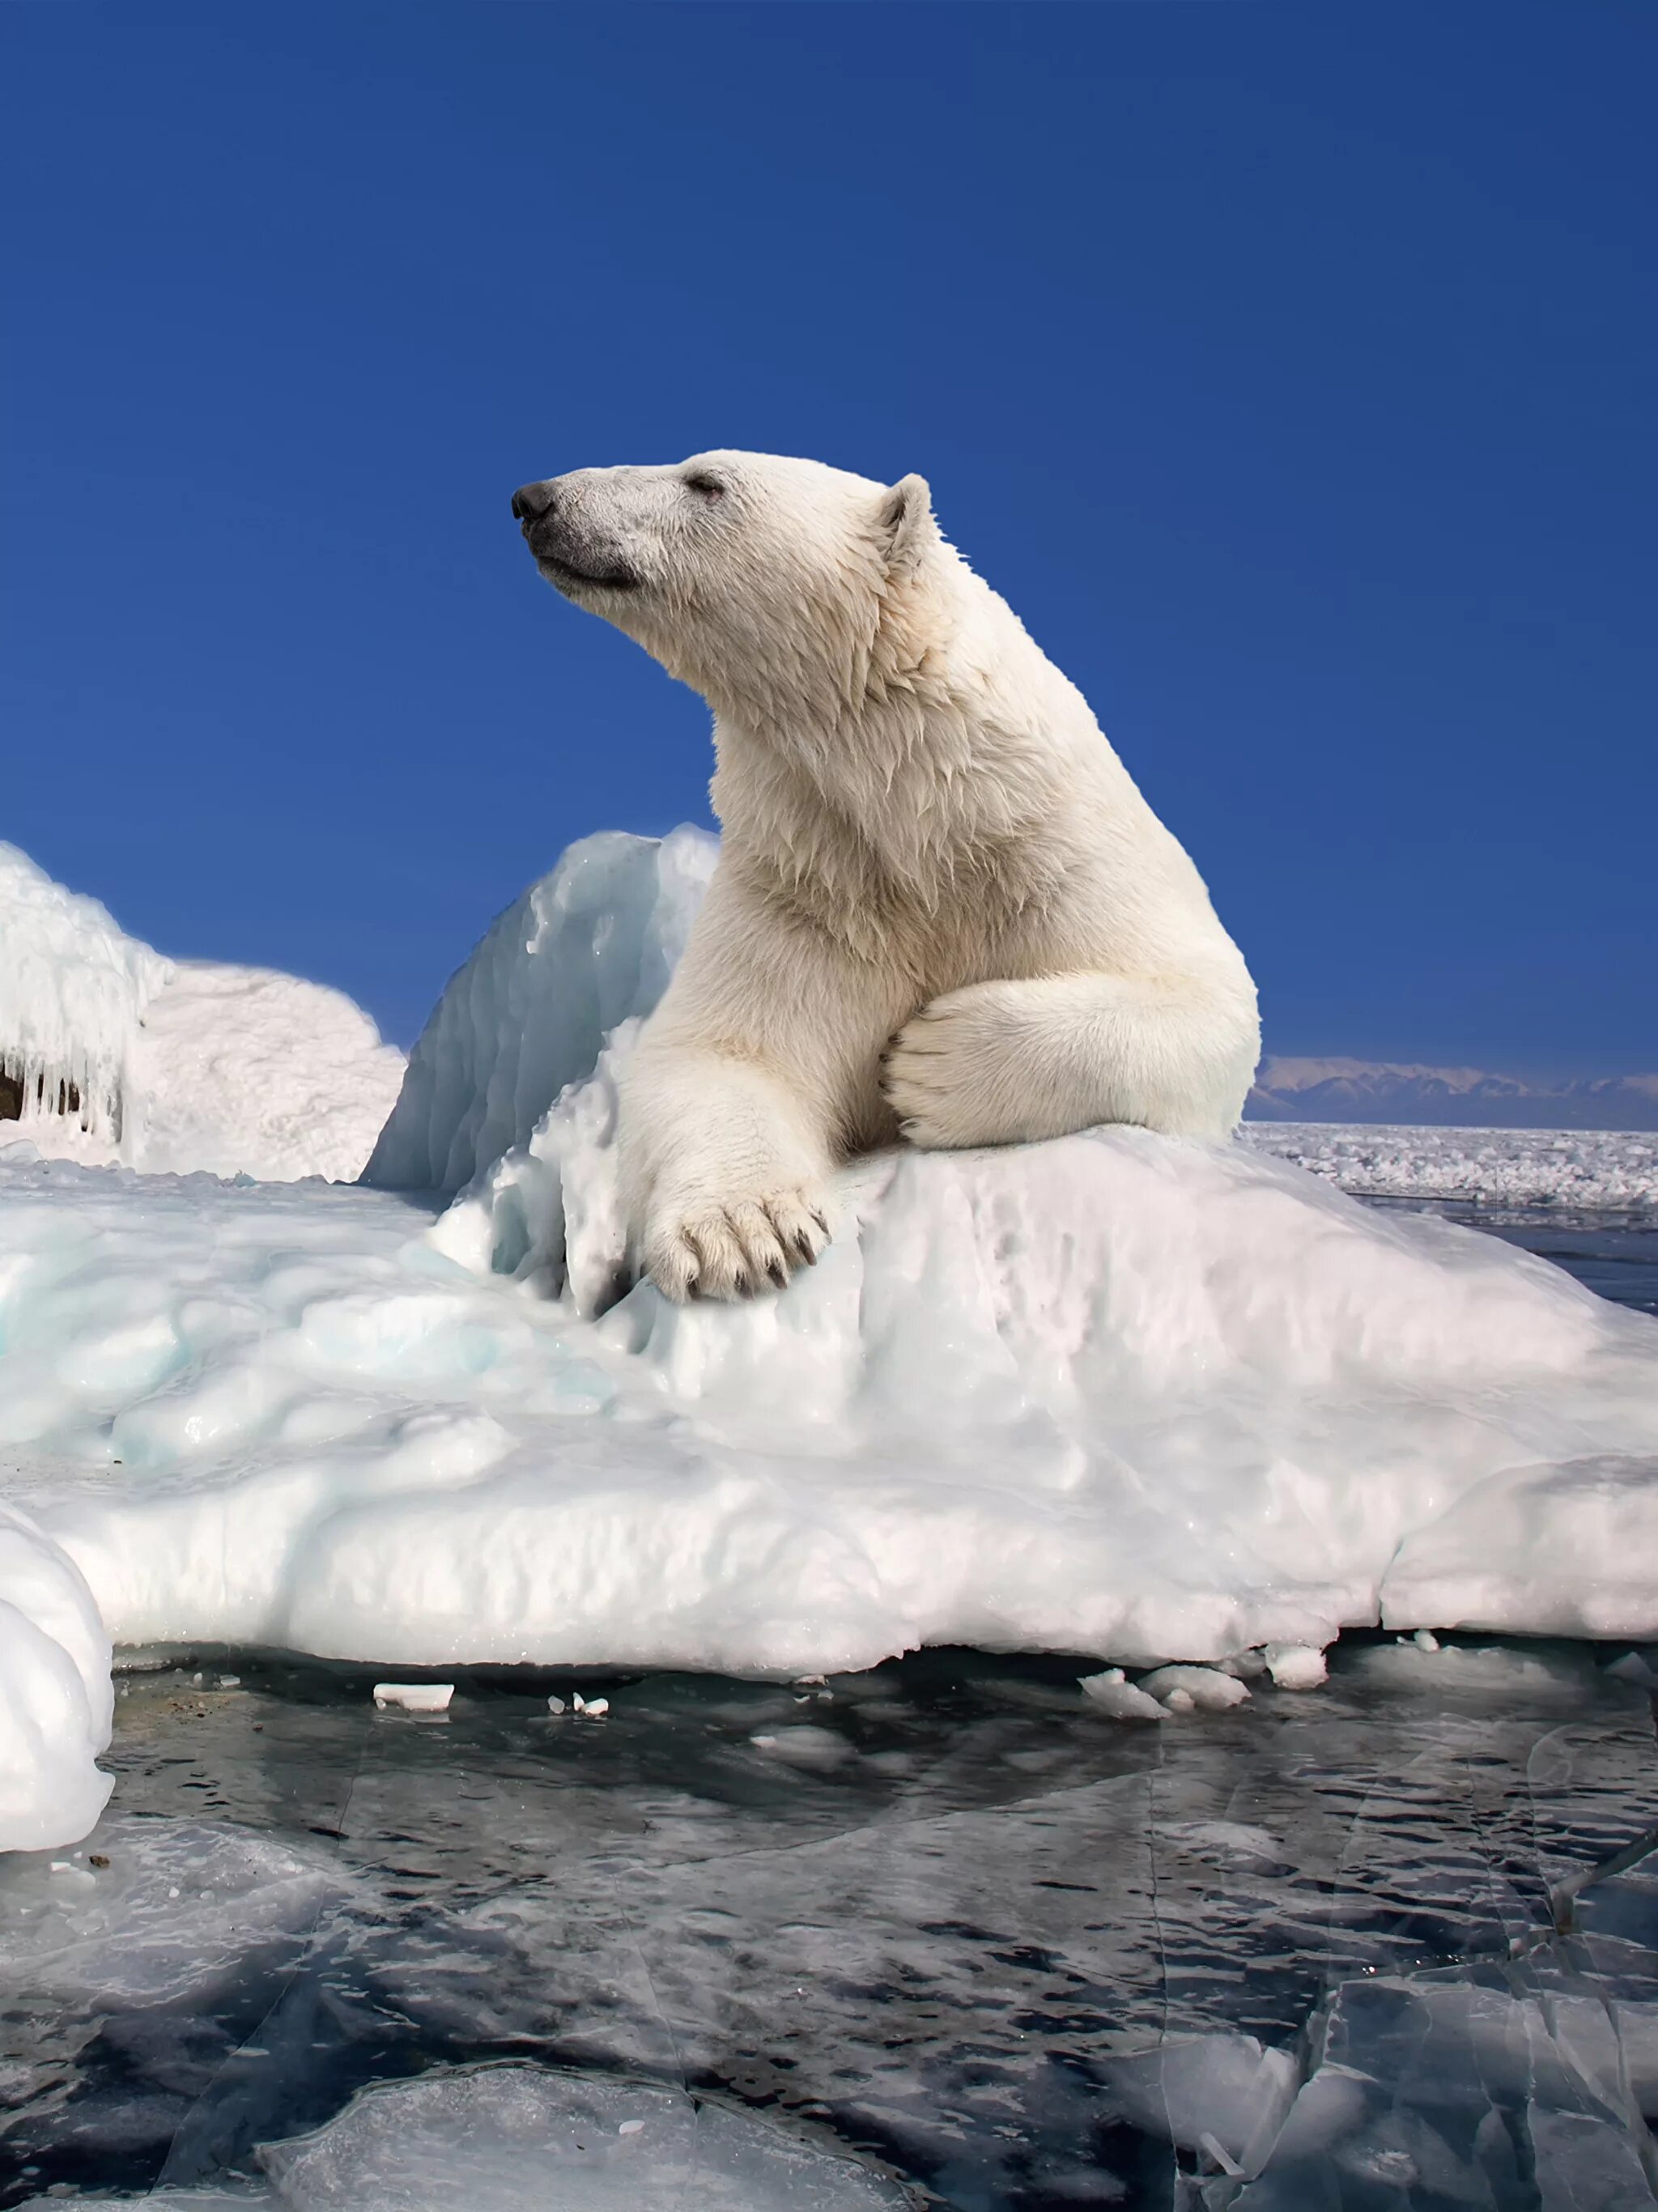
column 730, row 1251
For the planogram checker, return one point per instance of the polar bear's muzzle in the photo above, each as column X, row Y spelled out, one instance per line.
column 566, row 550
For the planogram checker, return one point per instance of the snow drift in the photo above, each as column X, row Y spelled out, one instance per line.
column 1114, row 1395
column 109, row 1054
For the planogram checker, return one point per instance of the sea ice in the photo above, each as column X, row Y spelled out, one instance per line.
column 592, row 943
column 55, row 1694
column 1124, row 1700
column 1116, row 1394
column 178, row 1067
column 1201, row 1689
column 73, row 990
column 1003, row 1939
column 1295, row 1666
column 242, row 1070
column 498, row 2139
column 1592, row 1169
column 501, row 2138
column 414, row 1697
column 173, row 1910
column 1223, row 2093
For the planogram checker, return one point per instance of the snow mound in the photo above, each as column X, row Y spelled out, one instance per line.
column 177, row 1068
column 591, row 944
column 242, row 1071
column 55, row 1697
column 73, row 990
column 1114, row 1395
column 1589, row 1170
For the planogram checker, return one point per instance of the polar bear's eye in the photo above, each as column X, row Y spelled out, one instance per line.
column 709, row 487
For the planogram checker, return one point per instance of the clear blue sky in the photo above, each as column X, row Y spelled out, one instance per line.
column 1291, row 369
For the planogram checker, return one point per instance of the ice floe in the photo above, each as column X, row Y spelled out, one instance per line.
column 1114, row 1395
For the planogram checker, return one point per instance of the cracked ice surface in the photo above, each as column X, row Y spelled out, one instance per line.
column 1395, row 1935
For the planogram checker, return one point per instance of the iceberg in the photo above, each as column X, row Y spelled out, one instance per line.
column 1116, row 1394
column 587, row 948
column 73, row 991
column 111, row 1054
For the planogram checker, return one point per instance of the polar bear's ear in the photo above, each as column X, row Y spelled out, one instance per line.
column 905, row 516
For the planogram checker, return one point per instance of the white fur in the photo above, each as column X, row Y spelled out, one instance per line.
column 942, row 910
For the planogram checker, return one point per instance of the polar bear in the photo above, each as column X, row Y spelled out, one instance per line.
column 943, row 912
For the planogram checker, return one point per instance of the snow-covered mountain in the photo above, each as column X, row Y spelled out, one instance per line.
column 1448, row 1098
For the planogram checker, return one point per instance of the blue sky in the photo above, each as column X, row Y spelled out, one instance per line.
column 1290, row 368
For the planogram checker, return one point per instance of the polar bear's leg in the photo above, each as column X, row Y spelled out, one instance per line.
column 746, row 1085
column 728, row 1173
column 1008, row 1062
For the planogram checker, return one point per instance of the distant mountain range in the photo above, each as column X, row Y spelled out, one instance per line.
column 1450, row 1097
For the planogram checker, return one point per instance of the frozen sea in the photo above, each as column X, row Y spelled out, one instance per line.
column 935, row 1933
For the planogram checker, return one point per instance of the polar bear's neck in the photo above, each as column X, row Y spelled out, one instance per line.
column 918, row 783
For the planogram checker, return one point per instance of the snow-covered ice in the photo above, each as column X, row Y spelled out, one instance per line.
column 589, row 945
column 179, row 1066
column 55, row 1697
column 1110, row 1394
column 73, row 991
column 1591, row 1170
column 1114, row 1393
column 414, row 1697
column 242, row 1070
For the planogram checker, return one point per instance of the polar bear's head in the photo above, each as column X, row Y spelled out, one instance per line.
column 740, row 572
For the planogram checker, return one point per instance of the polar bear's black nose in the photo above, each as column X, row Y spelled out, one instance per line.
column 531, row 501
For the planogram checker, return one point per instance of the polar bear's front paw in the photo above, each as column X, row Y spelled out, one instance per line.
column 951, row 1074
column 735, row 1247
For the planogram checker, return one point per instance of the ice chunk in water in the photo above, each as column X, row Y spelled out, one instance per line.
column 1224, row 2093
column 175, row 1909
column 56, row 1698
column 1115, row 1694
column 1295, row 1666
column 1181, row 1688
column 501, row 2138
column 414, row 1697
